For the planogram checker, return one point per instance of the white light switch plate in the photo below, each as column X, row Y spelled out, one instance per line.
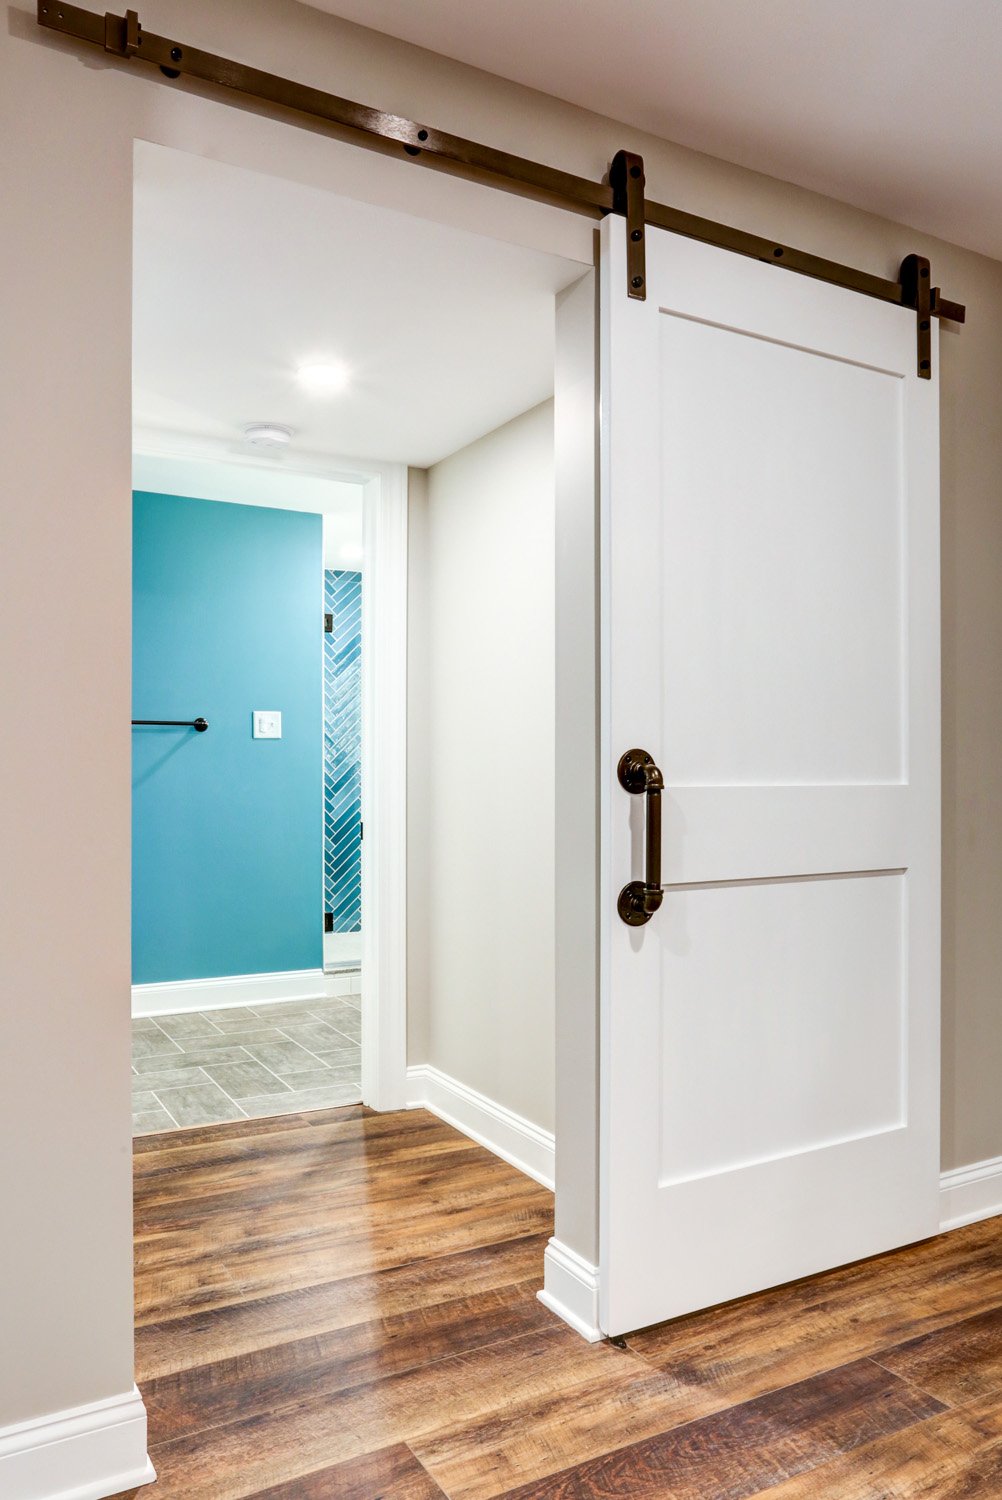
column 267, row 724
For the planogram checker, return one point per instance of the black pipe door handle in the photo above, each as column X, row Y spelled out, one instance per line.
column 639, row 900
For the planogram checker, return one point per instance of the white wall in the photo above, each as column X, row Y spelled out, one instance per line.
column 483, row 730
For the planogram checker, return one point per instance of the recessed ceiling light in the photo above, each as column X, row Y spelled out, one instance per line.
column 268, row 434
column 323, row 377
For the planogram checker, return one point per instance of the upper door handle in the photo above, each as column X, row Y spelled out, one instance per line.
column 639, row 900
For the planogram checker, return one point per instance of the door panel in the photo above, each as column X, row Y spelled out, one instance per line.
column 770, row 1097
column 786, row 588
column 792, row 975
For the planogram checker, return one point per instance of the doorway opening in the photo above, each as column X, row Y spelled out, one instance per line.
column 376, row 390
column 236, row 1012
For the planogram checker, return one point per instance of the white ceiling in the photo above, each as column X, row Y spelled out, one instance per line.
column 240, row 277
column 893, row 105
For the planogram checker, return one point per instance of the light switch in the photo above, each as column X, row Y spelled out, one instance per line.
column 267, row 724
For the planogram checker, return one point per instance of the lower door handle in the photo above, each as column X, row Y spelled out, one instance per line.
column 639, row 900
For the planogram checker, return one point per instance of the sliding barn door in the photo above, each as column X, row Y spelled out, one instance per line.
column 770, row 1034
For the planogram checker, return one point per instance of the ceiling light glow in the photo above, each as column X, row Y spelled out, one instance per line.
column 323, row 377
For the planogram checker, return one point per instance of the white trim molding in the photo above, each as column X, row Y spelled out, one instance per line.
column 515, row 1139
column 570, row 1289
column 384, row 789
column 82, row 1453
column 968, row 1194
column 239, row 989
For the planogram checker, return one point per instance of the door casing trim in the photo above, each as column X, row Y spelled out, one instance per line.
column 384, row 788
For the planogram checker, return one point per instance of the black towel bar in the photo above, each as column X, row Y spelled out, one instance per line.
column 199, row 724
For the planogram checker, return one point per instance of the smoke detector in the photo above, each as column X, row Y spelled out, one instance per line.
column 268, row 434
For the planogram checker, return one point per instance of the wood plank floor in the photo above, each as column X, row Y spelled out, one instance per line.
column 341, row 1306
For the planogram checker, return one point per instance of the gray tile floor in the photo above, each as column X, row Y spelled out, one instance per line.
column 243, row 1063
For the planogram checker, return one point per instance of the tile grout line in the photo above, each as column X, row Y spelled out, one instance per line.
column 305, row 1048
column 203, row 1068
column 252, row 1058
column 308, row 1017
column 165, row 1109
column 285, row 1037
column 176, row 1045
column 215, row 1085
column 324, row 1022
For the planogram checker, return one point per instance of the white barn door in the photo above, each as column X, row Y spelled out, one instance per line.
column 770, row 1048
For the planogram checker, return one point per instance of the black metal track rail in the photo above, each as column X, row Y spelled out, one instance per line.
column 123, row 36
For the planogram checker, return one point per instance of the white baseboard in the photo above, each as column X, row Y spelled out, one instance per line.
column 570, row 1289
column 344, row 984
column 968, row 1194
column 240, row 989
column 83, row 1453
column 516, row 1140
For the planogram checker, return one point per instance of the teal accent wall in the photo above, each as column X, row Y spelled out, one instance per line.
column 227, row 856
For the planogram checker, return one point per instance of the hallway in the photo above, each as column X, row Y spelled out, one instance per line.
column 343, row 1304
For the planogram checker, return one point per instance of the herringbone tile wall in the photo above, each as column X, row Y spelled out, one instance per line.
column 343, row 750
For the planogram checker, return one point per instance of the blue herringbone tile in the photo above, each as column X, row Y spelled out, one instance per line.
column 343, row 750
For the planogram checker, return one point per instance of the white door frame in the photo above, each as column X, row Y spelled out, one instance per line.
column 384, row 800
column 384, row 776
column 384, row 788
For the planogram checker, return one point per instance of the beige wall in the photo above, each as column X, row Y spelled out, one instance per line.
column 67, row 121
column 578, row 895
column 481, row 749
